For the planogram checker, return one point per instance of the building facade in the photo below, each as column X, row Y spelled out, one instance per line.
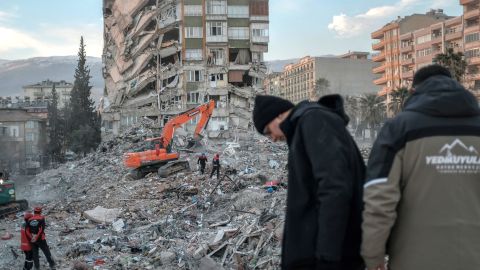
column 349, row 74
column 42, row 92
column 389, row 47
column 23, row 140
column 164, row 57
column 422, row 41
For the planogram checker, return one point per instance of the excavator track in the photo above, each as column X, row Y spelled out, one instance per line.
column 13, row 207
column 173, row 168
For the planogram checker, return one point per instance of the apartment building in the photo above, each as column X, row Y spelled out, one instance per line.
column 274, row 84
column 22, row 140
column 164, row 57
column 388, row 45
column 418, row 48
column 42, row 92
column 471, row 35
column 348, row 74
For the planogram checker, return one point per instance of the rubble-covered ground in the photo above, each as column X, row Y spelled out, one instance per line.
column 186, row 221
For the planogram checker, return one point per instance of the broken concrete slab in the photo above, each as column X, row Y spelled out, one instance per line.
column 102, row 215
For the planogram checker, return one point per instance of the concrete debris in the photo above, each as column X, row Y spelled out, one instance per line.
column 102, row 215
column 98, row 219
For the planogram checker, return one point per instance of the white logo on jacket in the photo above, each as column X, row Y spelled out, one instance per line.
column 456, row 158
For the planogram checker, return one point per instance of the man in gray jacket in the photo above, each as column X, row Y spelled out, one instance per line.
column 422, row 195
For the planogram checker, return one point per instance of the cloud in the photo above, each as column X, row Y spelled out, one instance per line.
column 5, row 15
column 350, row 26
column 51, row 40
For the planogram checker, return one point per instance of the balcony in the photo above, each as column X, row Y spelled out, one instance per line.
column 380, row 44
column 407, row 74
column 471, row 14
column 379, row 69
column 454, row 35
column 256, row 39
column 222, row 39
column 474, row 60
column 380, row 81
column 408, row 61
column 408, row 48
column 436, row 39
column 378, row 57
column 378, row 34
column 471, row 27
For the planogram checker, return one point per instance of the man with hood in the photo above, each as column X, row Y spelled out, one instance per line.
column 422, row 203
column 325, row 182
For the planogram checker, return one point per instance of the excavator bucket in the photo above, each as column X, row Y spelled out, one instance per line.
column 194, row 143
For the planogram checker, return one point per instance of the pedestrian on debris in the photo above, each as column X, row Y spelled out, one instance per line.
column 325, row 182
column 421, row 195
column 216, row 166
column 202, row 160
column 36, row 227
column 25, row 244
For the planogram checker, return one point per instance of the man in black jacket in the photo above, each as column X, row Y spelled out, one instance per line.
column 325, row 182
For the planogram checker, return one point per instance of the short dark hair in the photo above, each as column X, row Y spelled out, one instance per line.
column 426, row 72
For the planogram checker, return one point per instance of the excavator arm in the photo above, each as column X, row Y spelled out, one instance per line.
column 205, row 111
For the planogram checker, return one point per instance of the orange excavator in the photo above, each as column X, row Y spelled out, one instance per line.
column 159, row 158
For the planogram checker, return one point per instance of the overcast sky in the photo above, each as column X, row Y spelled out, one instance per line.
column 31, row 28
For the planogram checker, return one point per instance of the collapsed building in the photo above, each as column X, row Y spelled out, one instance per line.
column 162, row 57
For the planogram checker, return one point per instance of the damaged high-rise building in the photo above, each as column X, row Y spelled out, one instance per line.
column 162, row 57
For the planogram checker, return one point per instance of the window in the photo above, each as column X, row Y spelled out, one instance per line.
column 193, row 97
column 216, row 56
column 29, row 137
column 238, row 11
column 193, row 54
column 424, row 52
column 424, row 39
column 472, row 53
column 216, row 77
column 472, row 37
column 195, row 75
column 217, row 7
column 14, row 131
column 4, row 131
column 193, row 32
column 238, row 33
column 260, row 32
column 216, row 29
column 193, row 10
column 30, row 124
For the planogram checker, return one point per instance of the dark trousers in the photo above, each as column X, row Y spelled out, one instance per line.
column 202, row 168
column 217, row 169
column 28, row 260
column 41, row 244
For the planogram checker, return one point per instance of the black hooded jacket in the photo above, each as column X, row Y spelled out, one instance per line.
column 325, row 184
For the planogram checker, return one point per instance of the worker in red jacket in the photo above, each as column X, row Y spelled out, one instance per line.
column 216, row 166
column 25, row 245
column 36, row 227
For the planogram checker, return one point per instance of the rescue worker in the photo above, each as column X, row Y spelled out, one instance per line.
column 202, row 160
column 36, row 227
column 216, row 166
column 25, row 239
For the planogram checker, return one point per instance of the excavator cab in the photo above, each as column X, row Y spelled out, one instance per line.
column 8, row 202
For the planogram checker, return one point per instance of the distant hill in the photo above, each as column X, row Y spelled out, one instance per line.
column 16, row 73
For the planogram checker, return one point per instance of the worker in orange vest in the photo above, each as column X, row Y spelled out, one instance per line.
column 25, row 239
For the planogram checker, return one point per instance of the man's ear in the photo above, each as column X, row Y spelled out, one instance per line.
column 411, row 90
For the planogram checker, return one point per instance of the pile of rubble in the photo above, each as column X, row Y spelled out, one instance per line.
column 99, row 219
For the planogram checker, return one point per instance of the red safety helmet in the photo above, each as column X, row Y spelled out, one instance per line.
column 37, row 209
